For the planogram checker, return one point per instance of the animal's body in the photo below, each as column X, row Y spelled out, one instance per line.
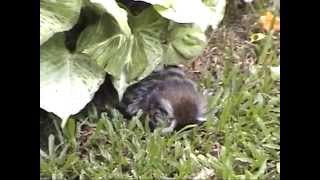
column 166, row 96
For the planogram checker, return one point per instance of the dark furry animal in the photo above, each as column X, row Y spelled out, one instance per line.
column 166, row 96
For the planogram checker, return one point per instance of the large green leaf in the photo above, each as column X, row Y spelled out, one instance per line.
column 217, row 8
column 119, row 14
column 57, row 16
column 67, row 81
column 203, row 13
column 149, row 28
column 98, row 32
column 185, row 41
column 128, row 58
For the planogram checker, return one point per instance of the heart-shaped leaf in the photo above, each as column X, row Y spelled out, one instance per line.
column 57, row 16
column 67, row 81
column 128, row 58
column 202, row 13
column 184, row 43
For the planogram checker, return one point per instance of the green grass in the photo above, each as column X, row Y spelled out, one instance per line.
column 240, row 140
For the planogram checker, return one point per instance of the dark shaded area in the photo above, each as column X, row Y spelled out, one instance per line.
column 135, row 7
column 46, row 128
column 106, row 96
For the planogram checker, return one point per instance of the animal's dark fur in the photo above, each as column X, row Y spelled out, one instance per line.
column 166, row 95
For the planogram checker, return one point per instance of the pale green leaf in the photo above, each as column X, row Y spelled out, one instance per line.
column 121, row 85
column 103, row 29
column 148, row 28
column 128, row 58
column 217, row 8
column 67, row 81
column 184, row 43
column 119, row 14
column 203, row 13
column 57, row 16
column 110, row 54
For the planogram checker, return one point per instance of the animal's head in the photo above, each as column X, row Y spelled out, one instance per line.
column 176, row 103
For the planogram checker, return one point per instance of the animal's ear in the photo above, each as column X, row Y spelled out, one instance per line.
column 166, row 105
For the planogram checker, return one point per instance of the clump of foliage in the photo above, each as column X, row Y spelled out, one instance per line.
column 82, row 40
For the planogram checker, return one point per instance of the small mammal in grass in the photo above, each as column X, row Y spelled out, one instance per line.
column 166, row 96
